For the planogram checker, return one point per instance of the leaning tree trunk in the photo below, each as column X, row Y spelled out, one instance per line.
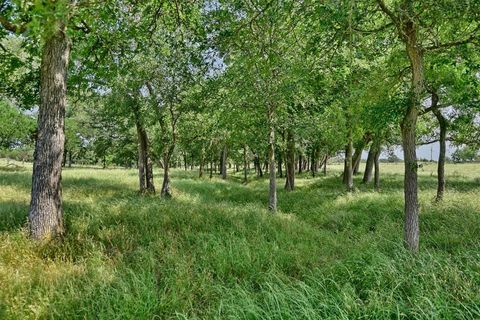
column 357, row 157
column 46, row 212
column 290, row 162
column 441, row 157
column 367, row 175
column 272, row 197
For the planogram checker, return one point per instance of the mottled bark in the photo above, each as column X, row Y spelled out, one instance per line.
column 46, row 212
column 409, row 134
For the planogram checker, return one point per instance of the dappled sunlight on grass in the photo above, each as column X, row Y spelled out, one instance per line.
column 215, row 251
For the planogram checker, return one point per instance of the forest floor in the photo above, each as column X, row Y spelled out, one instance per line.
column 214, row 252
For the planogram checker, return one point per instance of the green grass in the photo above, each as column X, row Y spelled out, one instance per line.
column 214, row 252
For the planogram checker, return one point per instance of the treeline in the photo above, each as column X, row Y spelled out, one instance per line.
column 278, row 85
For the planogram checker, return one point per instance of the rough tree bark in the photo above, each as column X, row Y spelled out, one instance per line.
column 46, row 212
column 407, row 31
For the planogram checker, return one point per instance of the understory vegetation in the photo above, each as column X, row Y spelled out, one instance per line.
column 215, row 252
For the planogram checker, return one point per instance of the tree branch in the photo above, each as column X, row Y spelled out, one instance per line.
column 11, row 26
column 374, row 30
column 387, row 11
column 474, row 36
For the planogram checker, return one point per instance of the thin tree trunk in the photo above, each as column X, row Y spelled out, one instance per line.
column 46, row 213
column 64, row 160
column 142, row 155
column 290, row 162
column 325, row 165
column 409, row 135
column 272, row 198
column 211, row 169
column 279, row 163
column 357, row 157
column 224, row 162
column 149, row 174
column 300, row 163
column 245, row 175
column 377, row 168
column 348, row 166
column 166, row 178
column 202, row 163
column 441, row 157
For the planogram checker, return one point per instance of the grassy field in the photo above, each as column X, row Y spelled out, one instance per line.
column 214, row 252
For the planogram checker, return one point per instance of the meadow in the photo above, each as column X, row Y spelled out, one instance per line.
column 213, row 251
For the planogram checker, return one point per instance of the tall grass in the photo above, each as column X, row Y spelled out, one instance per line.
column 214, row 252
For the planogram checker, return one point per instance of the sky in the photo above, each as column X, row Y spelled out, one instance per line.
column 428, row 152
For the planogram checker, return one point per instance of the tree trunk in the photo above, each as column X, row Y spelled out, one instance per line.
column 348, row 174
column 46, row 212
column 70, row 160
column 441, row 157
column 279, row 163
column 166, row 177
column 202, row 163
column 377, row 168
column 245, row 173
column 272, row 198
column 325, row 165
column 142, row 157
column 185, row 161
column 149, row 175
column 224, row 163
column 367, row 175
column 300, row 163
column 357, row 157
column 211, row 169
column 64, row 160
column 290, row 162
column 408, row 128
